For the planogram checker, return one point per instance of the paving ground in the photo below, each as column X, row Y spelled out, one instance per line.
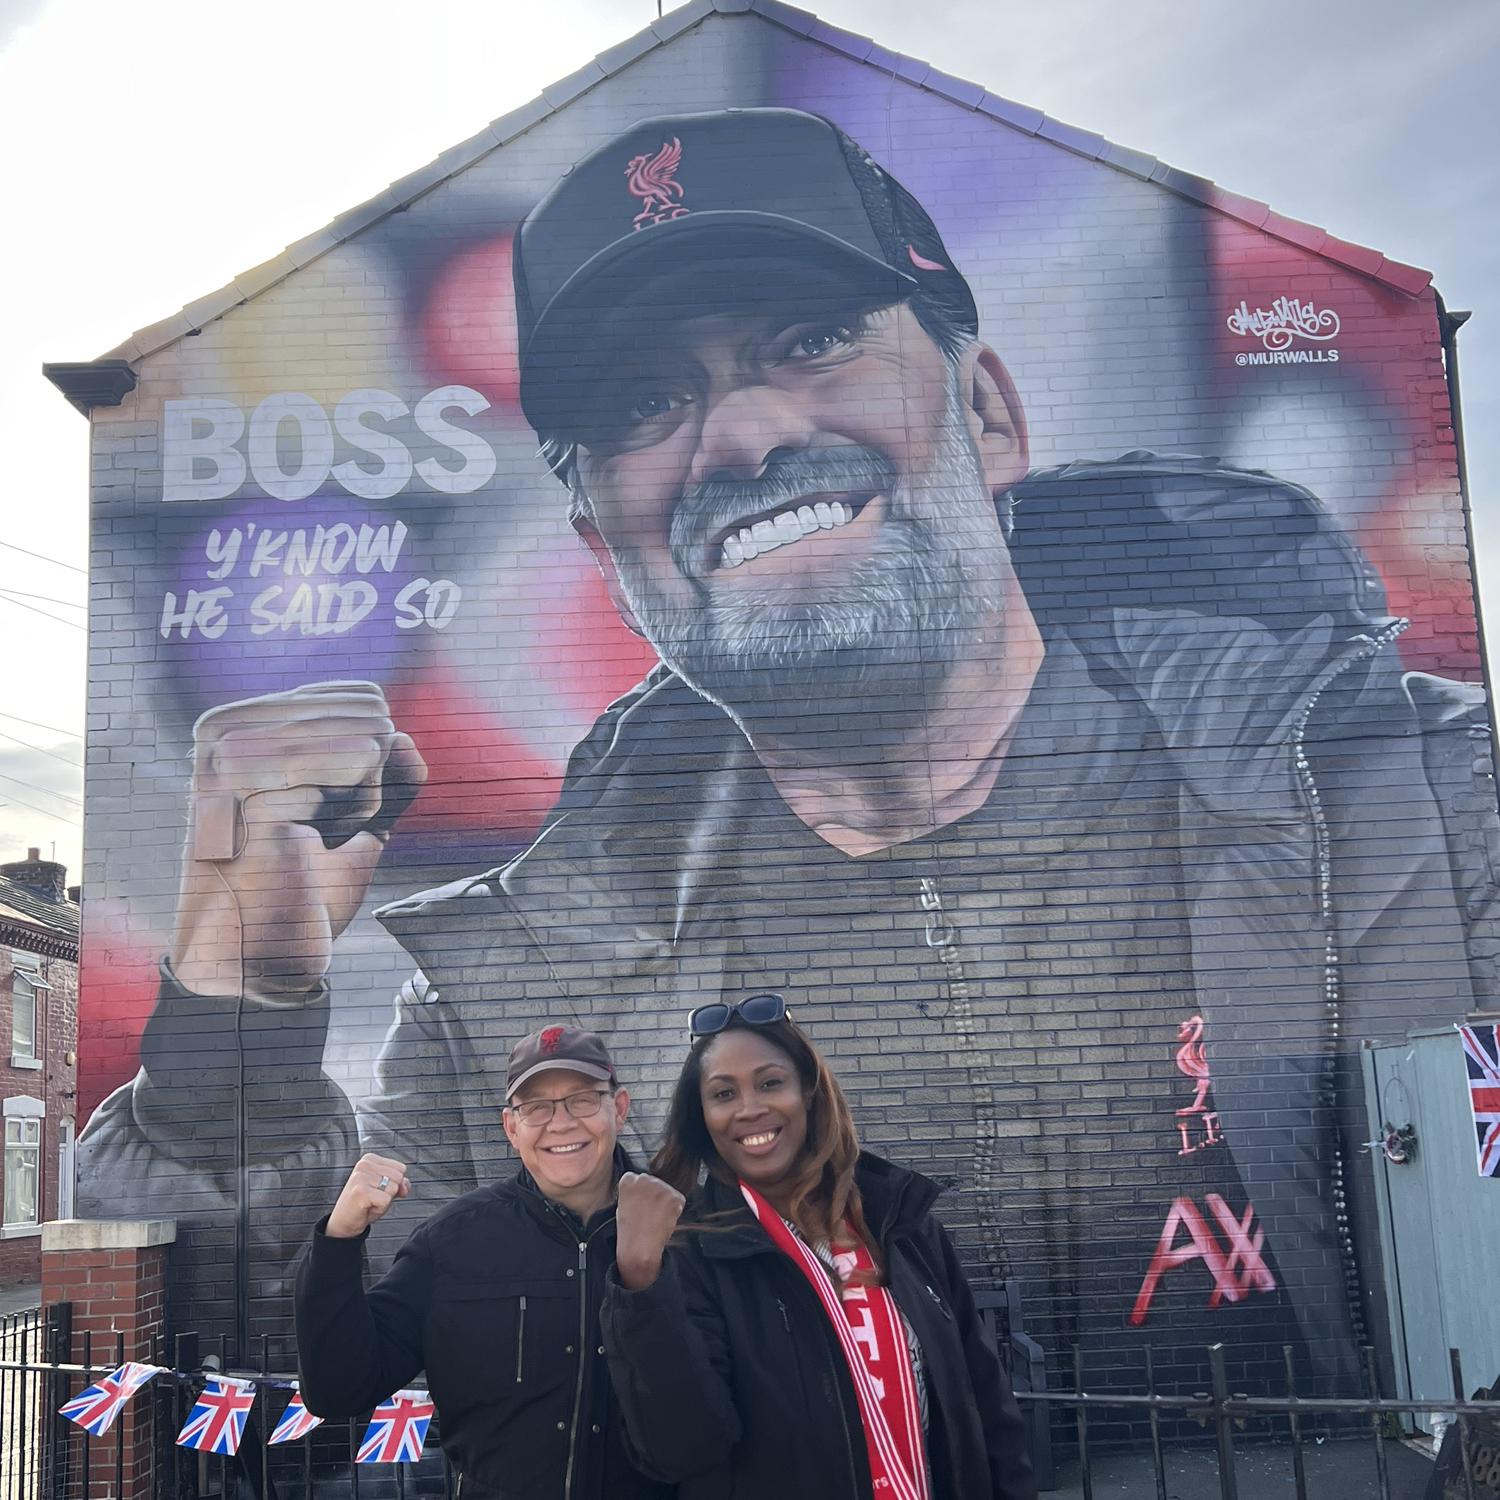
column 1335, row 1471
column 20, row 1412
column 19, row 1298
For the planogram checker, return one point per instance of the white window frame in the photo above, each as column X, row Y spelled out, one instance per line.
column 25, row 1136
column 28, row 980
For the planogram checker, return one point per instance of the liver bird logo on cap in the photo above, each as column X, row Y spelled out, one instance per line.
column 550, row 1039
column 652, row 178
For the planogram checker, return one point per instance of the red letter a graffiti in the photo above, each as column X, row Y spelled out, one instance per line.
column 1236, row 1271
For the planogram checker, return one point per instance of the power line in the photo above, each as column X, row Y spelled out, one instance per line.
column 56, row 620
column 42, row 557
column 61, row 817
column 40, row 750
column 47, row 598
column 46, row 791
column 71, row 734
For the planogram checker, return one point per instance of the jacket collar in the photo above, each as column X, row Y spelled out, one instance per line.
column 556, row 1217
column 894, row 1199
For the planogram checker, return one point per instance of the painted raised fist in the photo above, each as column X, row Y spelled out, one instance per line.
column 293, row 798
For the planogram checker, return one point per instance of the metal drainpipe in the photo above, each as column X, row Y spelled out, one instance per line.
column 1448, row 325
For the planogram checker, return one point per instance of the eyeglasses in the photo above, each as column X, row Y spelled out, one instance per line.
column 757, row 1010
column 584, row 1105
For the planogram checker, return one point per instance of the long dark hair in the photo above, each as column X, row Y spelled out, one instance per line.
column 824, row 1197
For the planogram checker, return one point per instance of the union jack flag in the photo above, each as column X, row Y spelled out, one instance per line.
column 296, row 1422
column 1482, row 1058
column 96, row 1408
column 397, row 1430
column 217, row 1421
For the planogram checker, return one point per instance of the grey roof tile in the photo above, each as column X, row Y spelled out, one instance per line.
column 1085, row 142
column 511, row 124
column 565, row 90
column 675, row 22
column 1022, row 116
column 622, row 54
column 60, row 916
column 1186, row 183
column 215, row 305
column 800, row 21
column 957, row 89
column 1137, row 163
column 850, row 43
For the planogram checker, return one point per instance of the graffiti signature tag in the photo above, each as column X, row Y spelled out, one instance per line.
column 1284, row 320
column 1237, row 1267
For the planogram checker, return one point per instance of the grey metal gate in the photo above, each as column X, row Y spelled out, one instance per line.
column 1440, row 1221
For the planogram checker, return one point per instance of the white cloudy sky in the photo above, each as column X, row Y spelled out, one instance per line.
column 154, row 149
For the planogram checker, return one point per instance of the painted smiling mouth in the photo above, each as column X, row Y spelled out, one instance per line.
column 764, row 1138
column 783, row 527
column 565, row 1150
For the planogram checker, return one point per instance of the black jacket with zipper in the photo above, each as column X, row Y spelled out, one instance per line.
column 733, row 1385
column 497, row 1297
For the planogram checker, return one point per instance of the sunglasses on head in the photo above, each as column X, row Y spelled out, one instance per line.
column 757, row 1010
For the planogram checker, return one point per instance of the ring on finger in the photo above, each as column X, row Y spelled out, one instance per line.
column 384, row 1184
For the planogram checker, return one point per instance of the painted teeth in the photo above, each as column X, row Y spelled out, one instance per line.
column 782, row 530
column 759, row 1140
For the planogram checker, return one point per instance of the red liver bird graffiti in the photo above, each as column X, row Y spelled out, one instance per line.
column 652, row 178
column 1192, row 1059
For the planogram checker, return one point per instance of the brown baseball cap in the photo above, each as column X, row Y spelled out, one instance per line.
column 567, row 1047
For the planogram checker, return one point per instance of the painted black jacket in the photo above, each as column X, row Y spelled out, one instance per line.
column 1331, row 878
column 734, row 1387
column 497, row 1298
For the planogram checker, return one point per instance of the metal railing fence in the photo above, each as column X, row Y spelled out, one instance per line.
column 48, row 1458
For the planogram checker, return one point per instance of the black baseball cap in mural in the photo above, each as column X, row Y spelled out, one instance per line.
column 687, row 189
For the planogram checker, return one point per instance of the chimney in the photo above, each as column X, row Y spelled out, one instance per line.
column 44, row 876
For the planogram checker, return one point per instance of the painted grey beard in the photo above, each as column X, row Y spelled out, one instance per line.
column 883, row 637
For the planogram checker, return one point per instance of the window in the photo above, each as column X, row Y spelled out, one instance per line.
column 26, row 985
column 23, row 1162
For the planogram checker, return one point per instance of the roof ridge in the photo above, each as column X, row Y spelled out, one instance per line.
column 1410, row 280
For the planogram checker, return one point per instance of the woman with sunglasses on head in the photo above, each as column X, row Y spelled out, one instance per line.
column 812, row 1334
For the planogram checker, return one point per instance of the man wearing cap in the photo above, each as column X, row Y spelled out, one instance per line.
column 496, row 1296
column 1025, row 771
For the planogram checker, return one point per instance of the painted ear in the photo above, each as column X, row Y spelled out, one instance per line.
column 605, row 563
column 996, row 420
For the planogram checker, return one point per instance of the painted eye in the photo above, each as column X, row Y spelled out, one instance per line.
column 655, row 405
column 817, row 343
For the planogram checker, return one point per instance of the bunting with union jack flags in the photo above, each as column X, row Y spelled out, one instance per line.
column 397, row 1430
column 1482, row 1059
column 296, row 1422
column 96, row 1408
column 217, row 1421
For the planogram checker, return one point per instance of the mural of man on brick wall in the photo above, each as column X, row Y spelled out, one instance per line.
column 1082, row 815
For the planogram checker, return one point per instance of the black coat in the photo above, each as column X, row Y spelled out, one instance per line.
column 497, row 1297
column 733, row 1385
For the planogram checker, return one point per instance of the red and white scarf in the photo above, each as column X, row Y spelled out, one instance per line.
column 873, row 1338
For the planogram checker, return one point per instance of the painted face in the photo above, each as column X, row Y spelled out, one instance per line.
column 791, row 495
column 754, row 1107
column 571, row 1159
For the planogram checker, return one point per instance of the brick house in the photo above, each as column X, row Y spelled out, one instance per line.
column 38, row 1056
